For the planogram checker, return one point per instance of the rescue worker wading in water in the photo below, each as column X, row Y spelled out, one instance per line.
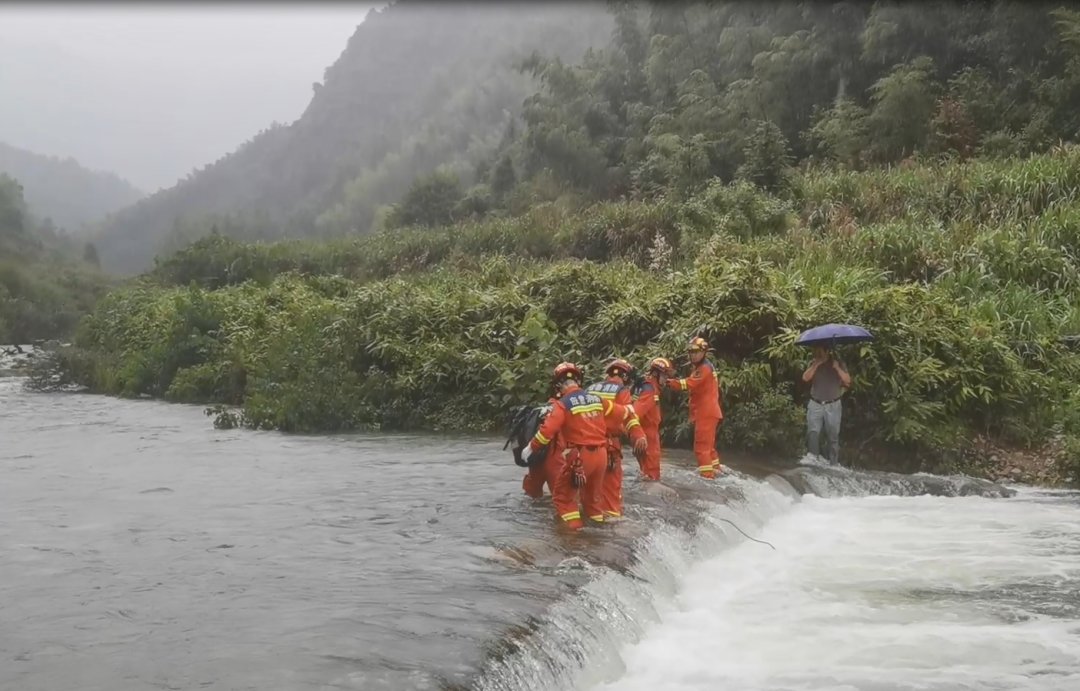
column 580, row 419
column 543, row 473
column 705, row 413
column 647, row 407
column 615, row 389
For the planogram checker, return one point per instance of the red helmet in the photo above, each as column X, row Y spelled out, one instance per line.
column 697, row 344
column 660, row 365
column 564, row 371
column 619, row 367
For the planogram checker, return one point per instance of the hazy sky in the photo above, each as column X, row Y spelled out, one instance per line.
column 151, row 91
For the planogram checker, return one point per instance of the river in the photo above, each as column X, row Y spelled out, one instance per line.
column 143, row 549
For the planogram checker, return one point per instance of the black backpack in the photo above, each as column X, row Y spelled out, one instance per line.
column 523, row 422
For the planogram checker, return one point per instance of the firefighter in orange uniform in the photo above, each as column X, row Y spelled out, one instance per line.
column 614, row 389
column 580, row 419
column 647, row 407
column 542, row 473
column 704, row 387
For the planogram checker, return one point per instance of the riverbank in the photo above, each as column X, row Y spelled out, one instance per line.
column 18, row 360
column 965, row 272
column 1045, row 466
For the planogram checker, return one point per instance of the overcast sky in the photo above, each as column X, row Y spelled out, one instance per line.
column 151, row 91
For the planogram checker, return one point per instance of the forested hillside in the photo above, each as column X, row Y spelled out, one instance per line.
column 676, row 95
column 47, row 280
column 418, row 86
column 64, row 192
column 686, row 93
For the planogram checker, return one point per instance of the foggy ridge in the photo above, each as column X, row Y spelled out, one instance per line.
column 418, row 86
column 63, row 191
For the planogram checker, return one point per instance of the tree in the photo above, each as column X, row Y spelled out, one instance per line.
column 841, row 134
column 1068, row 26
column 904, row 102
column 12, row 207
column 983, row 101
column 503, row 177
column 429, row 202
column 475, row 204
column 952, row 130
column 766, row 157
column 90, row 255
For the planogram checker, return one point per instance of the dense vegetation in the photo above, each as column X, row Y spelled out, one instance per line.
column 418, row 86
column 966, row 272
column 687, row 93
column 47, row 280
column 62, row 192
column 682, row 94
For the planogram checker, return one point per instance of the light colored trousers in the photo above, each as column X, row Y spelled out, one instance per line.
column 824, row 417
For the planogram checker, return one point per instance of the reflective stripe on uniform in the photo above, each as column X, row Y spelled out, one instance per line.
column 572, row 516
column 544, row 441
column 590, row 408
column 609, row 395
column 598, row 519
column 632, row 423
column 705, row 469
column 683, row 384
column 613, row 514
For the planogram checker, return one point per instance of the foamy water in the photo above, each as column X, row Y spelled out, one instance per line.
column 875, row 593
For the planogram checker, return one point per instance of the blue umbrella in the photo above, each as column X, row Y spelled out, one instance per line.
column 833, row 334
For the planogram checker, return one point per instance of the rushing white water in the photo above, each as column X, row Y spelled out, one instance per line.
column 577, row 643
column 875, row 593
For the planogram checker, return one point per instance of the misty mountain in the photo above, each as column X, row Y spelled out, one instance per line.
column 48, row 280
column 418, row 87
column 63, row 191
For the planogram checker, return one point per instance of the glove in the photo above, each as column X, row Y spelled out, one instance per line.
column 639, row 448
column 519, row 459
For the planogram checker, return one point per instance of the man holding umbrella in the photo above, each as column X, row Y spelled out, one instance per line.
column 827, row 377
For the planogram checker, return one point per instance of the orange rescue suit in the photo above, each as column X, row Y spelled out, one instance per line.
column 543, row 473
column 704, row 387
column 647, row 407
column 580, row 419
column 612, row 389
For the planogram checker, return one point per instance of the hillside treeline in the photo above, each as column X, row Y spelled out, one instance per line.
column 687, row 93
column 48, row 280
column 419, row 85
column 435, row 114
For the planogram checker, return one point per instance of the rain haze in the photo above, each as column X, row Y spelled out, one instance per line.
column 152, row 92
